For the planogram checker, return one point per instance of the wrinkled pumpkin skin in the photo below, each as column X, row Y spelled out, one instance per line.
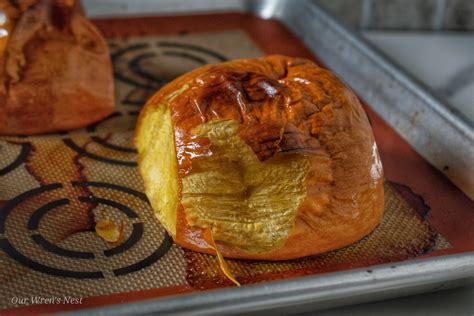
column 55, row 68
column 274, row 157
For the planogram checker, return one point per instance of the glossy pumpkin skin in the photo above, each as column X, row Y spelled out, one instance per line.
column 55, row 68
column 273, row 157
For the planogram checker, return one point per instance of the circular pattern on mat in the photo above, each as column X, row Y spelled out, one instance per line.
column 37, row 216
column 142, row 66
column 83, row 152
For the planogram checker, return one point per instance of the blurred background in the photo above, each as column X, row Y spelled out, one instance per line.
column 404, row 15
column 432, row 39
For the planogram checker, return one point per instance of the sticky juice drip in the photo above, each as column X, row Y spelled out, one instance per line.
column 222, row 263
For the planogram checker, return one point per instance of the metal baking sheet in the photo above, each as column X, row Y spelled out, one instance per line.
column 312, row 293
column 405, row 104
column 396, row 101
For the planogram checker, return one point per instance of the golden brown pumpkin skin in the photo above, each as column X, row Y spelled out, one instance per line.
column 55, row 69
column 284, row 108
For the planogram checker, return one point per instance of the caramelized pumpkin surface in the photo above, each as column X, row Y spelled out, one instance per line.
column 268, row 158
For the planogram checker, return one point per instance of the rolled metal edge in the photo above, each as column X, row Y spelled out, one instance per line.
column 313, row 292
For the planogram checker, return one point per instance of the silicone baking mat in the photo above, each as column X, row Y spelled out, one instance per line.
column 54, row 188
